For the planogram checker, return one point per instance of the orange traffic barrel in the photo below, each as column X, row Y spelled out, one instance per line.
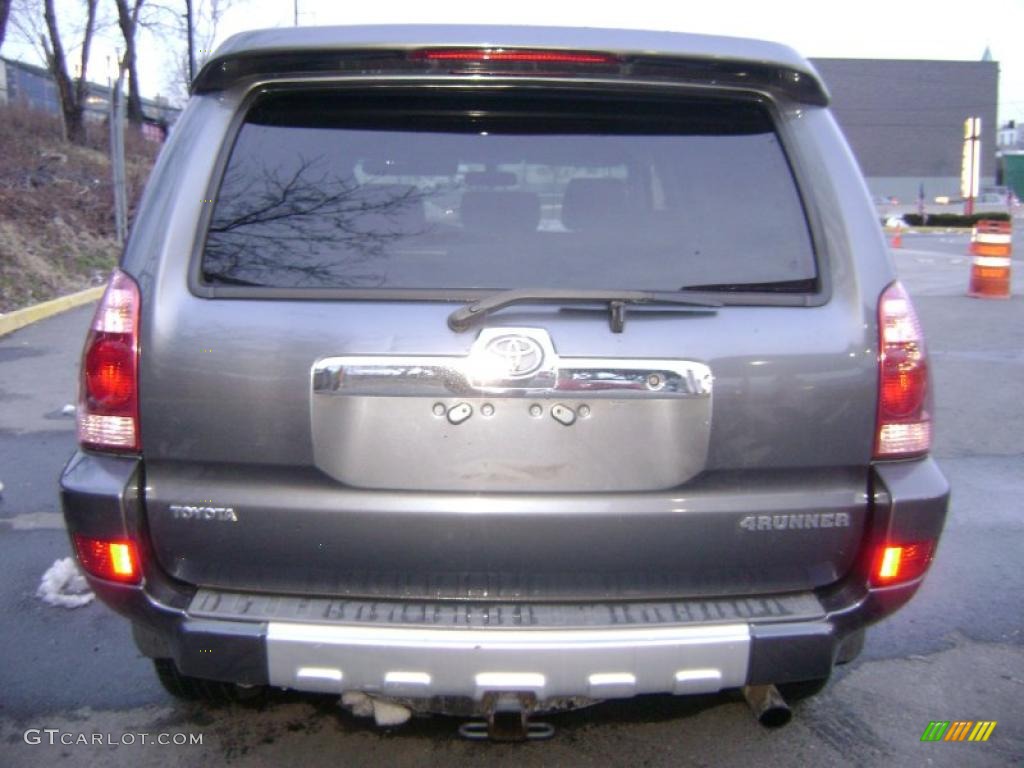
column 990, row 267
column 897, row 238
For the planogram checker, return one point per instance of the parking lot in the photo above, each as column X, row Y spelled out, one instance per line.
column 955, row 653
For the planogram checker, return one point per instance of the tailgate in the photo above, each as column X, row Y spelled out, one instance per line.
column 297, row 532
column 349, row 474
column 311, row 424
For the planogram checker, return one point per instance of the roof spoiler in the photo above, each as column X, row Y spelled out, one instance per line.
column 232, row 68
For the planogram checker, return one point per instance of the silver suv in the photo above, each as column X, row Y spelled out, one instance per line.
column 501, row 370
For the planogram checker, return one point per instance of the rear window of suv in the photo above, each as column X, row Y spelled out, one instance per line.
column 480, row 189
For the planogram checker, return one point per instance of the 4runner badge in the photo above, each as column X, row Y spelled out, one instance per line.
column 798, row 522
column 188, row 512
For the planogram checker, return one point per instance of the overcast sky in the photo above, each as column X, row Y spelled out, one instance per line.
column 940, row 29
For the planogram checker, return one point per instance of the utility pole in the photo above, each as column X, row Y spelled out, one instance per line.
column 970, row 172
column 191, row 51
column 117, row 168
column 296, row 7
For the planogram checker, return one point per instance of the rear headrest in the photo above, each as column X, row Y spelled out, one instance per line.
column 491, row 179
column 595, row 204
column 387, row 209
column 491, row 210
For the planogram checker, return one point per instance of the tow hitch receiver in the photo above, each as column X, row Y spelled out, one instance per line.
column 508, row 720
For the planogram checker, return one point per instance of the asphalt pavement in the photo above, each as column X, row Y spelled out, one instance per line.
column 955, row 653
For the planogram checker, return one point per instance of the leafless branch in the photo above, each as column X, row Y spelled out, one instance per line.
column 305, row 227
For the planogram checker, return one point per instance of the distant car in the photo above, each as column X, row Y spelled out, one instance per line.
column 884, row 204
column 495, row 370
column 994, row 200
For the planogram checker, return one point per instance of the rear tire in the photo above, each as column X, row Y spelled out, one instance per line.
column 207, row 691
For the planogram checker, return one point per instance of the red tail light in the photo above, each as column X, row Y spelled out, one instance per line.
column 897, row 564
column 108, row 404
column 483, row 55
column 111, row 560
column 903, row 426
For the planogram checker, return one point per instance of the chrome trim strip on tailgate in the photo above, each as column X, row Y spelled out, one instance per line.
column 510, row 361
column 418, row 662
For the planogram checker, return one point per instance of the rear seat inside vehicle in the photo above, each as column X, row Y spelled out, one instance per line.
column 499, row 211
column 597, row 205
column 388, row 209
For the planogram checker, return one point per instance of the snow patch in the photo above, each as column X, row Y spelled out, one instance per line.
column 63, row 585
column 384, row 713
column 358, row 702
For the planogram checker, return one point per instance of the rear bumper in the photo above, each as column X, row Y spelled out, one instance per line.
column 420, row 663
column 467, row 654
column 422, row 649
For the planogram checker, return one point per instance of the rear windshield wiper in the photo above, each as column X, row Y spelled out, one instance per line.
column 804, row 285
column 466, row 316
column 217, row 277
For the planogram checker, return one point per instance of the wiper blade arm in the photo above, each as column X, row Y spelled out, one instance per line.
column 464, row 317
column 218, row 277
column 806, row 285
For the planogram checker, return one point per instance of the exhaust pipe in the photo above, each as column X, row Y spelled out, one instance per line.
column 767, row 704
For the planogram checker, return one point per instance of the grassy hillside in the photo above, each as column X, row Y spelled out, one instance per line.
column 57, row 207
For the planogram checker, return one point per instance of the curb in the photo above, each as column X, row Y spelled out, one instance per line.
column 19, row 318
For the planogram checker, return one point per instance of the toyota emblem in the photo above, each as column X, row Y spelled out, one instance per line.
column 519, row 356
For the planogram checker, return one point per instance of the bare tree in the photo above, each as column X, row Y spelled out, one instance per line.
column 128, row 21
column 71, row 94
column 164, row 19
column 170, row 17
column 27, row 24
column 5, row 10
column 207, row 19
column 306, row 226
